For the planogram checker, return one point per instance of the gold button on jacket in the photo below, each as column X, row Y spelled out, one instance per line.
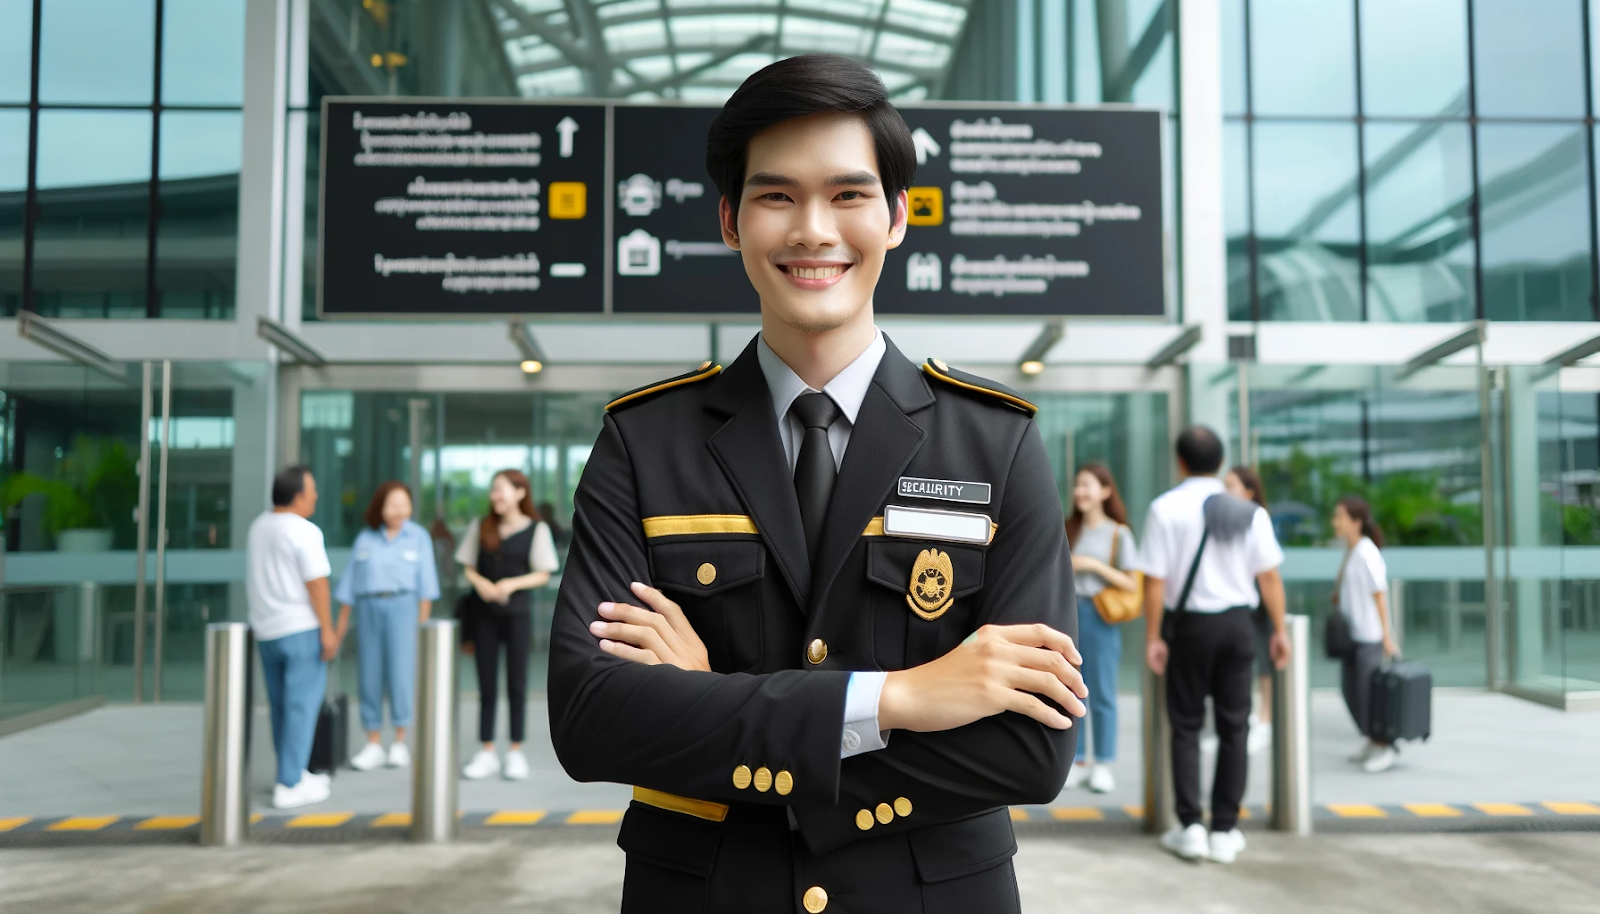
column 688, row 489
column 815, row 900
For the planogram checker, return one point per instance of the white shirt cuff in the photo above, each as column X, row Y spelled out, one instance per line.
column 861, row 733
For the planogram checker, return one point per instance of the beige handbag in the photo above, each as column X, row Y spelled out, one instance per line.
column 1114, row 604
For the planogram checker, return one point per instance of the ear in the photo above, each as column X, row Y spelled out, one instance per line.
column 897, row 231
column 730, row 227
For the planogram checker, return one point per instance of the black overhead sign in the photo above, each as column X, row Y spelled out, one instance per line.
column 443, row 208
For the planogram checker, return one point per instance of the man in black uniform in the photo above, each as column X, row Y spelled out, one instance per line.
column 857, row 649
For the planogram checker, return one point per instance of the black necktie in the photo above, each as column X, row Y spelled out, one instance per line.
column 814, row 471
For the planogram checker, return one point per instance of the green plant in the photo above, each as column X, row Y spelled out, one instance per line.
column 1412, row 507
column 97, row 486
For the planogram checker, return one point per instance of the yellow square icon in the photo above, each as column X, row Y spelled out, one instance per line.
column 568, row 199
column 926, row 206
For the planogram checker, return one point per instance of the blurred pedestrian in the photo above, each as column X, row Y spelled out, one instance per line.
column 1216, row 549
column 1361, row 594
column 1103, row 552
column 1242, row 482
column 286, row 582
column 505, row 555
column 392, row 583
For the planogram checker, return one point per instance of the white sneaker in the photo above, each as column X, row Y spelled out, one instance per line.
column 1189, row 843
column 1209, row 743
column 1381, row 759
column 321, row 777
column 370, row 757
column 484, row 764
column 1260, row 738
column 1226, row 845
column 1101, row 780
column 309, row 790
column 516, row 765
column 1077, row 776
column 1364, row 753
column 399, row 756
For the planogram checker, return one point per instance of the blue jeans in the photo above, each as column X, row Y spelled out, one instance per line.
column 296, row 679
column 1101, row 647
column 386, row 648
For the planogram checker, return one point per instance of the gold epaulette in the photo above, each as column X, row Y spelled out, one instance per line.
column 965, row 381
column 706, row 370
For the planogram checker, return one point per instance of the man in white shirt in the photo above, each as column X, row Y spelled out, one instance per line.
column 286, row 577
column 1212, row 653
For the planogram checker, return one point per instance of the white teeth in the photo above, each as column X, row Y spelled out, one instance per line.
column 816, row 272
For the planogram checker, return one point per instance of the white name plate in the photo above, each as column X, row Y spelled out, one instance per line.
column 930, row 524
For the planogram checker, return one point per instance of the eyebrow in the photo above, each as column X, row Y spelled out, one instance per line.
column 848, row 179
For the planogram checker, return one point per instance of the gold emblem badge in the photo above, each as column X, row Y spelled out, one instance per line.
column 932, row 580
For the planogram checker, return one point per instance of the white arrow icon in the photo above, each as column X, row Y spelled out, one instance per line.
column 925, row 143
column 567, row 127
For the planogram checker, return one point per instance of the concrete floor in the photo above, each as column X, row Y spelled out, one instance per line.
column 1415, row 874
column 126, row 760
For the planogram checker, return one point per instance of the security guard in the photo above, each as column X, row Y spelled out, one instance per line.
column 857, row 649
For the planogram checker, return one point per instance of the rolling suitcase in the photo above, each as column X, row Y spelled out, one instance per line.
column 1402, row 702
column 329, row 747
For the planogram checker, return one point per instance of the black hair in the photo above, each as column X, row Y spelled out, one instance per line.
column 799, row 87
column 288, row 484
column 1361, row 513
column 1200, row 450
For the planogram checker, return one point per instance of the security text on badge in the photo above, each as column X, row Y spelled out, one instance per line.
column 972, row 493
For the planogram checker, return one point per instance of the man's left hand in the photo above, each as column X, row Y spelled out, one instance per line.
column 1278, row 648
column 660, row 634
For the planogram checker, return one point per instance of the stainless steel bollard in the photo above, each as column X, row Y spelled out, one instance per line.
column 434, row 772
column 1159, row 812
column 1291, row 733
column 225, row 770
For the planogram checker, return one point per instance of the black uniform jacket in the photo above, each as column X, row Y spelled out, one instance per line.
column 741, row 802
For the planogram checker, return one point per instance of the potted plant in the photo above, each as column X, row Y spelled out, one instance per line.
column 92, row 495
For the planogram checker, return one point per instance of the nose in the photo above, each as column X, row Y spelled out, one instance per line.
column 813, row 225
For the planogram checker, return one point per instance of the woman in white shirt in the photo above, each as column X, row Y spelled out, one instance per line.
column 1361, row 593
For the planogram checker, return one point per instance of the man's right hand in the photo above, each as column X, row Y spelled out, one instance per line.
column 1000, row 668
column 330, row 643
column 1155, row 656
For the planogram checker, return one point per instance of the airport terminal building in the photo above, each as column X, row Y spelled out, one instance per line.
column 1357, row 238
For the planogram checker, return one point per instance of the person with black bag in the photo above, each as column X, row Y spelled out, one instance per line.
column 1221, row 547
column 1359, row 634
column 505, row 555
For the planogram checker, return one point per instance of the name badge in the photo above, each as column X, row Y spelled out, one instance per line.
column 409, row 555
column 973, row 493
column 932, row 524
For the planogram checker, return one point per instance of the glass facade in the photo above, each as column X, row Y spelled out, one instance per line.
column 119, row 171
column 1419, row 161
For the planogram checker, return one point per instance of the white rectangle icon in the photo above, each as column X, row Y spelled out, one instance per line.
column 928, row 524
column 568, row 270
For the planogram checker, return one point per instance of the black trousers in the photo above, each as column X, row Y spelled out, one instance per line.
column 1355, row 680
column 1213, row 655
column 515, row 631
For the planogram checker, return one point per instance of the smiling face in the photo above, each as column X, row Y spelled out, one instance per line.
column 504, row 495
column 813, row 224
column 396, row 508
column 1087, row 492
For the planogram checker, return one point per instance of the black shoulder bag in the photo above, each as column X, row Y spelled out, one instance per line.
column 1170, row 620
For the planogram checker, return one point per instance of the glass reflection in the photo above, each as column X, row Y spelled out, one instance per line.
column 1535, row 199
column 1236, row 219
column 92, row 238
column 198, row 228
column 13, row 185
column 1414, row 58
column 1419, row 223
column 16, row 49
column 97, row 51
column 1306, row 222
column 1233, row 57
column 202, row 52
column 1302, row 57
column 1529, row 58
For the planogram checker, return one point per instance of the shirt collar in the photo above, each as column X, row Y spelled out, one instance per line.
column 847, row 389
column 1203, row 483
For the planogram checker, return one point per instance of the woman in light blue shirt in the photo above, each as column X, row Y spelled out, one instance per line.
column 392, row 582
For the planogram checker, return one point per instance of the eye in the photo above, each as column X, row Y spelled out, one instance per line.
column 775, row 197
column 851, row 195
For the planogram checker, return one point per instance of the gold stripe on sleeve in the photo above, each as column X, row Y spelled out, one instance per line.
column 700, row 809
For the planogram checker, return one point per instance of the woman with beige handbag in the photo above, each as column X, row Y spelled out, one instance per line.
column 1108, row 595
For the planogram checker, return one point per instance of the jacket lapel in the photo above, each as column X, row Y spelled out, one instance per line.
column 882, row 442
column 749, row 451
